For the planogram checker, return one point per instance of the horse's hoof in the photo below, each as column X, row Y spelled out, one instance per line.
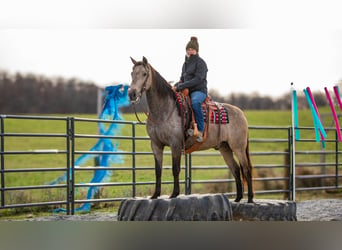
column 250, row 199
column 238, row 199
column 155, row 196
column 173, row 196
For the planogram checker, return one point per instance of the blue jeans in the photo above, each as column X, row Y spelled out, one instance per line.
column 197, row 97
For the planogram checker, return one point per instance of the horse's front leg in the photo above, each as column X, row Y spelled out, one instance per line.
column 176, row 160
column 158, row 160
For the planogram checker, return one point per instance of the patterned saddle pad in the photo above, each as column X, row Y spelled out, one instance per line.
column 219, row 114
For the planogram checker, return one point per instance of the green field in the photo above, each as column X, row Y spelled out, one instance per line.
column 255, row 118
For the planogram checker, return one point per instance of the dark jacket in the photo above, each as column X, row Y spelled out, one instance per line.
column 194, row 75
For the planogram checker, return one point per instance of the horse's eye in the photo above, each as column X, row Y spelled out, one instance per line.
column 145, row 74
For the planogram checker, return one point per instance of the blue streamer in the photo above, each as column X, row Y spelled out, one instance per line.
column 317, row 123
column 295, row 113
column 117, row 96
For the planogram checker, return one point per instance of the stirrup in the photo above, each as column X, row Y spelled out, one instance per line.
column 190, row 132
column 199, row 137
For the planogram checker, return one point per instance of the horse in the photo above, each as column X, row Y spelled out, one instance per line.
column 164, row 127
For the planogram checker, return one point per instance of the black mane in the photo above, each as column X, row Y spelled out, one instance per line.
column 163, row 87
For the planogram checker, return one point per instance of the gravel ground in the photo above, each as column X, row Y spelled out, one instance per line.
column 320, row 210
column 311, row 210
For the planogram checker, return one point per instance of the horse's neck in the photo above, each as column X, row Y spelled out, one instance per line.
column 159, row 104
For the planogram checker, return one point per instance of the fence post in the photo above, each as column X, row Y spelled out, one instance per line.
column 2, row 161
column 288, row 171
column 336, row 158
column 71, row 179
column 187, row 174
column 292, row 171
column 68, row 155
column 133, row 161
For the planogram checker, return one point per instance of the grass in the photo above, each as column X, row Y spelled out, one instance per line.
column 25, row 161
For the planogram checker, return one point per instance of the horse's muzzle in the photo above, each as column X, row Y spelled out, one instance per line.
column 133, row 97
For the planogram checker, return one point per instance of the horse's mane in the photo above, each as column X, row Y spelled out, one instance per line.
column 163, row 87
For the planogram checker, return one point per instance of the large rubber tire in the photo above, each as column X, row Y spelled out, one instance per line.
column 209, row 207
column 264, row 210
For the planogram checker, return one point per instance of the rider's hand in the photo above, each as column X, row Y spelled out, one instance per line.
column 176, row 86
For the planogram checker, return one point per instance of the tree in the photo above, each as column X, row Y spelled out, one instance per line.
column 37, row 94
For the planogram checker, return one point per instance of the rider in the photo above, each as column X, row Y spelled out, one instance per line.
column 194, row 77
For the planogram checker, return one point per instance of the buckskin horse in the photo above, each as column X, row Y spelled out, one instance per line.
column 164, row 126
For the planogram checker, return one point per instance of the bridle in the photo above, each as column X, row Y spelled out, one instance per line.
column 149, row 69
column 143, row 89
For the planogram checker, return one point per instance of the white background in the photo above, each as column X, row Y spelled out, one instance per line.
column 249, row 46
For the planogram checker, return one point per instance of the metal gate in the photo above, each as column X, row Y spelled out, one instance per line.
column 62, row 147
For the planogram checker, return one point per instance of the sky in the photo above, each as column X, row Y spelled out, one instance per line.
column 249, row 46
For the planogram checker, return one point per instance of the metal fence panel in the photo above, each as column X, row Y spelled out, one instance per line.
column 271, row 166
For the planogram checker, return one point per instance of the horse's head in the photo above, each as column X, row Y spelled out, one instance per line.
column 141, row 79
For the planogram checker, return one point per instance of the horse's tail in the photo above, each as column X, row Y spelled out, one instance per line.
column 249, row 165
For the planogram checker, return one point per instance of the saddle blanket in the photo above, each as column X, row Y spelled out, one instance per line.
column 218, row 115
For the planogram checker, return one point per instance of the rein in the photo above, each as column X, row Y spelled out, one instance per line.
column 148, row 116
column 144, row 88
column 145, row 112
column 136, row 115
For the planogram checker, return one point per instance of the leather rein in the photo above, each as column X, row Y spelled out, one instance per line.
column 144, row 110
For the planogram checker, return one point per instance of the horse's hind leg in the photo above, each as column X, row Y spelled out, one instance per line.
column 246, row 166
column 227, row 154
column 158, row 159
column 176, row 160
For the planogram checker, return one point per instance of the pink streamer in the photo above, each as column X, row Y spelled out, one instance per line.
column 337, row 94
column 315, row 106
column 334, row 115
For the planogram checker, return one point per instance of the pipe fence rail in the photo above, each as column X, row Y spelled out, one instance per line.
column 31, row 156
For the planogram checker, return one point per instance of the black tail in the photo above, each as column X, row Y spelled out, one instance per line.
column 249, row 166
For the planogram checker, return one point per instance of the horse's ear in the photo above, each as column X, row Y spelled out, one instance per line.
column 133, row 61
column 145, row 60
